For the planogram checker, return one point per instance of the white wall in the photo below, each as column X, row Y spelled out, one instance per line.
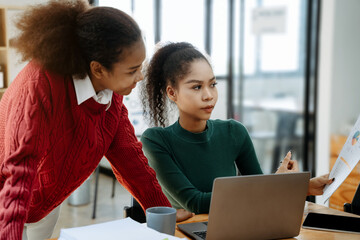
column 20, row 3
column 339, row 83
column 345, row 97
column 325, row 79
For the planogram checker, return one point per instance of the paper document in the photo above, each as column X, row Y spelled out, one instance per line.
column 346, row 161
column 120, row 229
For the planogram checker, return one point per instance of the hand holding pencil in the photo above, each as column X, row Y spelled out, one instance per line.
column 288, row 165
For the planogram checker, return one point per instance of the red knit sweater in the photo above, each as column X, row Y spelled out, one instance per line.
column 49, row 145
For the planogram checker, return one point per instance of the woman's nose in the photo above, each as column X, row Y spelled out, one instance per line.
column 207, row 96
column 140, row 77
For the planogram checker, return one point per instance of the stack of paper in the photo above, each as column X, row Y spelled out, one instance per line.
column 120, row 229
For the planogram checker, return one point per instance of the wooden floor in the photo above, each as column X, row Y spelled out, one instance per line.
column 107, row 208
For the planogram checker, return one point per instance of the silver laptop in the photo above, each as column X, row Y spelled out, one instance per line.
column 254, row 207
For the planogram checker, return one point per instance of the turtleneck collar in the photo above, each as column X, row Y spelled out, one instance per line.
column 193, row 137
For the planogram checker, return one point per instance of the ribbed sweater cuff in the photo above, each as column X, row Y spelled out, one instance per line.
column 155, row 199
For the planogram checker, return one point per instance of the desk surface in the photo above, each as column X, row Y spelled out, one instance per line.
column 305, row 234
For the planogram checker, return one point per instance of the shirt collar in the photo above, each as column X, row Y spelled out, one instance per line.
column 85, row 90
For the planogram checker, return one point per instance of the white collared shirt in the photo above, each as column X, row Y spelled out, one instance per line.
column 85, row 90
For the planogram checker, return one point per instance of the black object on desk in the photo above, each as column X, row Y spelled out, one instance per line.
column 354, row 206
column 329, row 222
column 135, row 211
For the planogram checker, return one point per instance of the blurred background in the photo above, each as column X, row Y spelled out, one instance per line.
column 259, row 51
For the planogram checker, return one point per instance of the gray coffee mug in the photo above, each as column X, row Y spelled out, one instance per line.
column 162, row 219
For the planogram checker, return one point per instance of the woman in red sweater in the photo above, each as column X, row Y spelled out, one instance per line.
column 64, row 112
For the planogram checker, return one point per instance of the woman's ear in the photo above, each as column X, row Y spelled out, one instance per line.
column 171, row 93
column 96, row 69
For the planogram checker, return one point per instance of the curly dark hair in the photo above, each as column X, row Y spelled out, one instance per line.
column 170, row 63
column 64, row 36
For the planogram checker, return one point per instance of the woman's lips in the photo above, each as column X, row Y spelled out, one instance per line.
column 208, row 109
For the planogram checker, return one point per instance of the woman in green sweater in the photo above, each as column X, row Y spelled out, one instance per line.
column 188, row 155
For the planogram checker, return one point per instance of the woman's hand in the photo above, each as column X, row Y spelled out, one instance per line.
column 317, row 184
column 288, row 165
column 182, row 215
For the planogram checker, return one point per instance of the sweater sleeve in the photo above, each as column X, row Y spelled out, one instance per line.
column 172, row 179
column 24, row 141
column 246, row 161
column 131, row 166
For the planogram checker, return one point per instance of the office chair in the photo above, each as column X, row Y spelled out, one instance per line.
column 354, row 206
column 135, row 211
column 286, row 138
column 97, row 173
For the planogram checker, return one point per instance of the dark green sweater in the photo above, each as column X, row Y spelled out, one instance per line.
column 187, row 163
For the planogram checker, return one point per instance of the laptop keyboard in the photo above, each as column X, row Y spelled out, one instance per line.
column 201, row 234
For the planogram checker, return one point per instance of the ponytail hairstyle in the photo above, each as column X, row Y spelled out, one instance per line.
column 170, row 63
column 64, row 36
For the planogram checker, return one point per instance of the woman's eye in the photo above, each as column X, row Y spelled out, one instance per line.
column 131, row 73
column 214, row 84
column 197, row 87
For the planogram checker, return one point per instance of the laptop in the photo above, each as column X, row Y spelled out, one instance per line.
column 254, row 207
